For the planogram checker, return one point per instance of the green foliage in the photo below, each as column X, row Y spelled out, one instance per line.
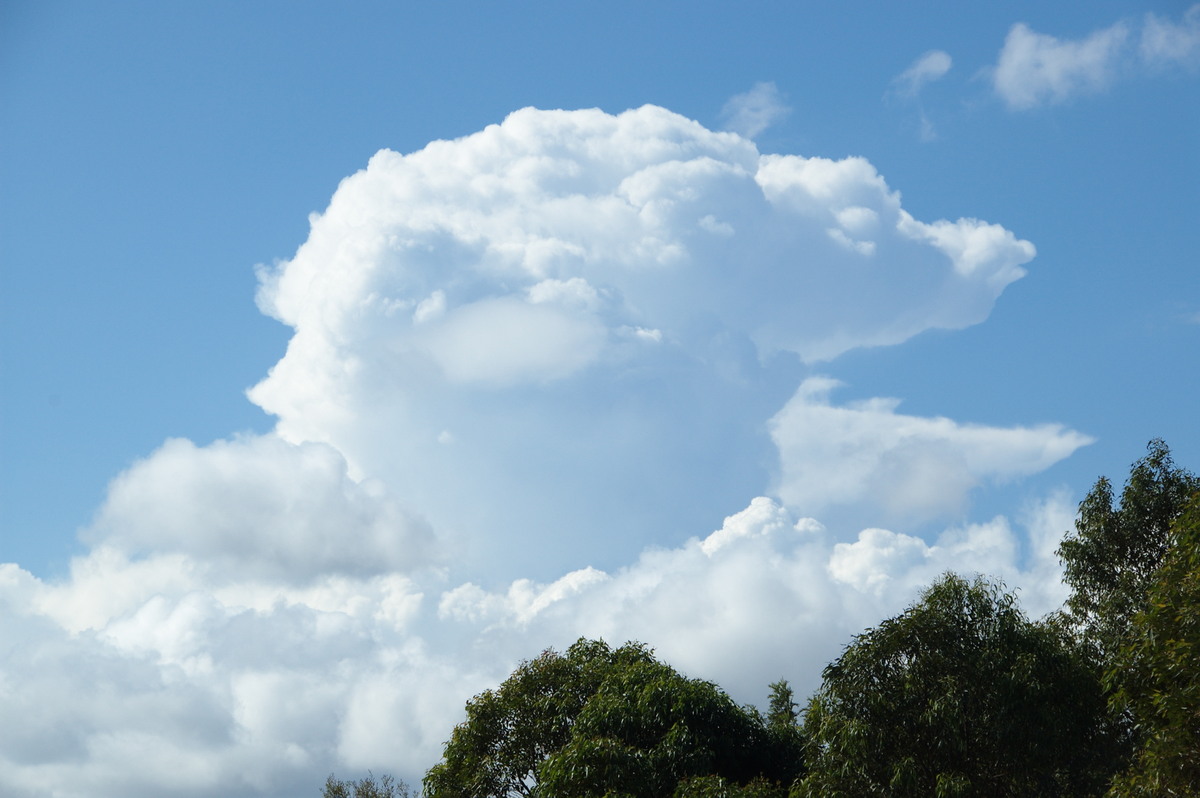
column 786, row 741
column 1156, row 673
column 782, row 711
column 717, row 787
column 1112, row 558
column 960, row 695
column 649, row 727
column 510, row 731
column 604, row 722
column 1112, row 563
column 368, row 787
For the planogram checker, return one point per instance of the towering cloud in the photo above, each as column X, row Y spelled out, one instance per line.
column 580, row 321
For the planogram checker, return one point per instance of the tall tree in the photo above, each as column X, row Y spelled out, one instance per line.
column 1111, row 559
column 960, row 695
column 1156, row 673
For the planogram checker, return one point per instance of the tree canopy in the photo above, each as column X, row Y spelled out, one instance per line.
column 959, row 695
column 1156, row 673
column 1111, row 559
column 1125, row 564
column 598, row 721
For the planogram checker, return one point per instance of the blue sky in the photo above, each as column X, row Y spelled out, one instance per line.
column 512, row 411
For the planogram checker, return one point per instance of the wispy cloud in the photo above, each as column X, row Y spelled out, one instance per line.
column 1169, row 43
column 1036, row 69
column 754, row 111
column 930, row 67
column 918, row 469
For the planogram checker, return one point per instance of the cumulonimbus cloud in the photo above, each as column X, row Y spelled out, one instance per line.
column 534, row 280
column 178, row 635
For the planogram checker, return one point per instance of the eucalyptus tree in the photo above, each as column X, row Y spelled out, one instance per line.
column 1155, row 675
column 960, row 695
column 1113, row 556
column 1112, row 562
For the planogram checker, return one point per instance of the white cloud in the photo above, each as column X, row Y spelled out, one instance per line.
column 753, row 112
column 766, row 582
column 186, row 694
column 260, row 505
column 243, row 683
column 977, row 249
column 927, row 131
column 1038, row 69
column 432, row 307
column 494, row 286
column 503, row 341
column 1165, row 43
column 930, row 67
column 874, row 463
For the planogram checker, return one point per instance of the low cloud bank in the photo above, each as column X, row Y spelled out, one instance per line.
column 158, row 676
